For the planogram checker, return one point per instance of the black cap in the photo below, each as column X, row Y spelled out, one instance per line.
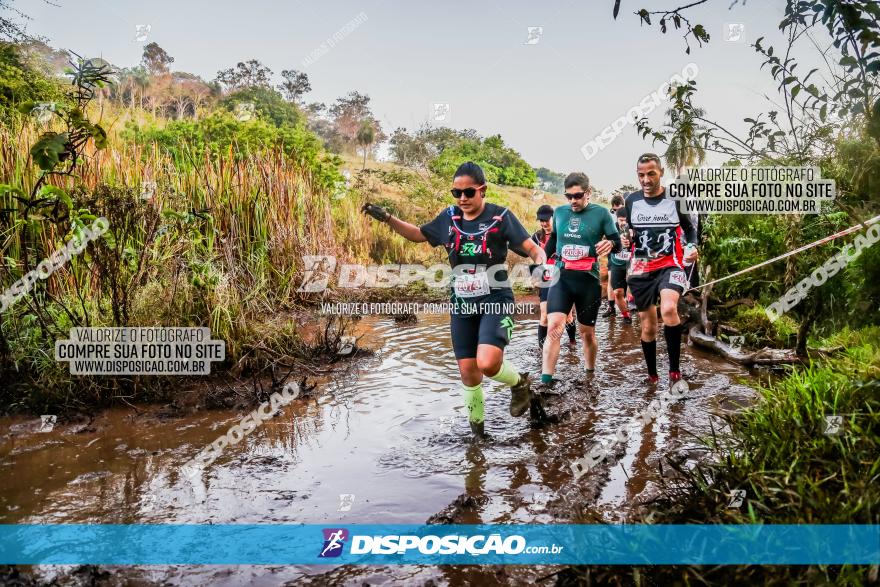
column 545, row 212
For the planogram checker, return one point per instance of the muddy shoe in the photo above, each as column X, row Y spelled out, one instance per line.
column 520, row 394
column 547, row 388
column 609, row 311
column 538, row 417
column 479, row 430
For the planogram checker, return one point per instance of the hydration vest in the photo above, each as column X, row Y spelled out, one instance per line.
column 454, row 245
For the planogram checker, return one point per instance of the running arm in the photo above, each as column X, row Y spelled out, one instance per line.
column 408, row 231
column 612, row 245
column 535, row 252
column 688, row 228
column 690, row 236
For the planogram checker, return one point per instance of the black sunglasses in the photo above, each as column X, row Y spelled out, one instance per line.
column 575, row 196
column 466, row 192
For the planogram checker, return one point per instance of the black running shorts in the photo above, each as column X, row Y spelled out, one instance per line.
column 578, row 288
column 487, row 321
column 617, row 276
column 646, row 287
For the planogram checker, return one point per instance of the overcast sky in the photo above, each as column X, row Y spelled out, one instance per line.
column 546, row 99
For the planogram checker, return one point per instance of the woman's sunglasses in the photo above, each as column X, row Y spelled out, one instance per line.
column 575, row 196
column 466, row 192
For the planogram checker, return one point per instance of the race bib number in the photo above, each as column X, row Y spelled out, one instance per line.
column 472, row 285
column 678, row 278
column 623, row 256
column 575, row 252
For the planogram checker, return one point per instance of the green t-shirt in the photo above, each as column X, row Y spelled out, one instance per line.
column 576, row 235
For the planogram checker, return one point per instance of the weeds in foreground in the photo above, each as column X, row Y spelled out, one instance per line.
column 793, row 467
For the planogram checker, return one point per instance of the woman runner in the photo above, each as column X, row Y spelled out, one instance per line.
column 477, row 235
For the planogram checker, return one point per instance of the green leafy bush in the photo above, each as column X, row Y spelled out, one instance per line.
column 500, row 163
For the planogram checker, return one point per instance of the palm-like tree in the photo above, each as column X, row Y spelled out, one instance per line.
column 365, row 136
column 685, row 148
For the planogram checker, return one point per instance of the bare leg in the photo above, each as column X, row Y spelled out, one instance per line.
column 555, row 326
column 591, row 347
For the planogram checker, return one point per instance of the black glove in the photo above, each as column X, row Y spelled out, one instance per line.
column 377, row 212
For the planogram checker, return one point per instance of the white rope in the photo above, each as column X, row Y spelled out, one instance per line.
column 821, row 241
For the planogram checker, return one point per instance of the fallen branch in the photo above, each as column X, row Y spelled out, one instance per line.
column 765, row 356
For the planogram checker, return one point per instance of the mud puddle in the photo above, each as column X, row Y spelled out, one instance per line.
column 389, row 444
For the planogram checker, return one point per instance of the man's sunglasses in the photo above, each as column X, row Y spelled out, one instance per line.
column 466, row 192
column 575, row 196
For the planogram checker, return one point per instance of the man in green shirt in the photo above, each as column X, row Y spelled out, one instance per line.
column 578, row 239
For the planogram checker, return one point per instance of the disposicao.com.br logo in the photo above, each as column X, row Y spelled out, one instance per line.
column 449, row 544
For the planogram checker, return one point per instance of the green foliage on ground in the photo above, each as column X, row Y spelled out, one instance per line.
column 759, row 331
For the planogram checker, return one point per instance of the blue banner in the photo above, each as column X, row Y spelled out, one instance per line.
column 162, row 544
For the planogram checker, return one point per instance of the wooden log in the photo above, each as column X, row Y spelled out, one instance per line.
column 765, row 356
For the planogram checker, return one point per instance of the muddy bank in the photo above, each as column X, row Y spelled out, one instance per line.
column 388, row 443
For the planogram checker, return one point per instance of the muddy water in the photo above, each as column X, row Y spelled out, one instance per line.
column 389, row 443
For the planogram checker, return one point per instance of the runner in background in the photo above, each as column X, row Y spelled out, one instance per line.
column 618, row 264
column 663, row 242
column 616, row 204
column 540, row 238
column 477, row 235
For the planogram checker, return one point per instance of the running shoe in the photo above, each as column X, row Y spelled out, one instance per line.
column 677, row 385
column 520, row 394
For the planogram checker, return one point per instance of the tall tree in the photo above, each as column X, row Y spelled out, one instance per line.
column 685, row 147
column 296, row 84
column 365, row 137
column 245, row 74
column 156, row 59
column 348, row 113
column 188, row 92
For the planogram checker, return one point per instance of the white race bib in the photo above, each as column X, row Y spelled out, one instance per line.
column 623, row 255
column 471, row 285
column 575, row 252
column 679, row 278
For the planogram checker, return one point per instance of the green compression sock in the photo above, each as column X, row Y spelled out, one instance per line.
column 507, row 375
column 473, row 401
